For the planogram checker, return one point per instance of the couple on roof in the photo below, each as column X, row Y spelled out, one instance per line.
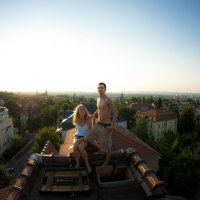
column 101, row 131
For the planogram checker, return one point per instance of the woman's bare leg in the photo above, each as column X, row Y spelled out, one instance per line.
column 84, row 155
column 76, row 153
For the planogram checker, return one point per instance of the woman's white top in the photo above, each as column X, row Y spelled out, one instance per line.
column 81, row 131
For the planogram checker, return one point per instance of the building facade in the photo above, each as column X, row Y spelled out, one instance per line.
column 6, row 129
column 159, row 122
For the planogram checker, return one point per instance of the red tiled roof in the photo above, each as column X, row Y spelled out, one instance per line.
column 4, row 192
column 146, row 174
column 49, row 148
column 66, row 147
column 141, row 106
column 158, row 115
column 123, row 138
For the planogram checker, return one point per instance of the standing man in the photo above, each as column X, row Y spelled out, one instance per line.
column 102, row 130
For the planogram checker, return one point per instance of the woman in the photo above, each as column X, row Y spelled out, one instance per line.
column 83, row 123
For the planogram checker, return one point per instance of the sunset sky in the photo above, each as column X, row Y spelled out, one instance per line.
column 71, row 45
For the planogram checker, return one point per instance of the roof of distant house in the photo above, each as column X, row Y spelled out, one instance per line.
column 158, row 115
column 141, row 106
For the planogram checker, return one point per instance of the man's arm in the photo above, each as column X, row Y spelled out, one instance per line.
column 89, row 123
column 114, row 112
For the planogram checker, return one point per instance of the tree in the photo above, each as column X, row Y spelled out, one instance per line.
column 46, row 115
column 186, row 119
column 127, row 113
column 33, row 124
column 141, row 129
column 167, row 144
column 17, row 144
column 5, row 178
column 45, row 134
column 180, row 170
column 14, row 110
column 159, row 103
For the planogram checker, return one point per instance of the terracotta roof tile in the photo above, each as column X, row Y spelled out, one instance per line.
column 49, row 148
column 158, row 115
column 123, row 138
column 16, row 194
column 4, row 192
column 141, row 106
column 66, row 147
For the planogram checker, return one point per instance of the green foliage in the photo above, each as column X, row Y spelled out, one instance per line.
column 171, row 139
column 47, row 117
column 187, row 140
column 45, row 134
column 186, row 119
column 140, row 129
column 180, row 169
column 167, row 144
column 50, row 101
column 5, row 178
column 17, row 143
column 14, row 110
column 159, row 103
column 127, row 113
column 33, row 124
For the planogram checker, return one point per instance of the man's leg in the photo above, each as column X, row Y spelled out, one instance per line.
column 84, row 155
column 106, row 141
column 108, row 153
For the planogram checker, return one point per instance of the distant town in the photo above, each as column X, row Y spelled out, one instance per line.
column 167, row 122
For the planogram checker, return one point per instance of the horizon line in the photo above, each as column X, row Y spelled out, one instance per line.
column 116, row 92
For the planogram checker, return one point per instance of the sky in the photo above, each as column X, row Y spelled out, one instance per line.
column 72, row 45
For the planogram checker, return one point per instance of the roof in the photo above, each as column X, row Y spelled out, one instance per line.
column 121, row 119
column 4, row 192
column 122, row 138
column 65, row 147
column 141, row 106
column 143, row 181
column 67, row 113
column 49, row 148
column 158, row 115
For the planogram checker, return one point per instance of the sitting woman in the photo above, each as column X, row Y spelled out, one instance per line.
column 83, row 123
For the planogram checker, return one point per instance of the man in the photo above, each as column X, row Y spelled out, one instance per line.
column 102, row 130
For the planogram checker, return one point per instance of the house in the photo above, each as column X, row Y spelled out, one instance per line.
column 139, row 107
column 6, row 129
column 159, row 121
column 23, row 119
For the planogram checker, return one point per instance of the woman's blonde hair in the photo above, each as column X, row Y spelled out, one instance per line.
column 76, row 114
